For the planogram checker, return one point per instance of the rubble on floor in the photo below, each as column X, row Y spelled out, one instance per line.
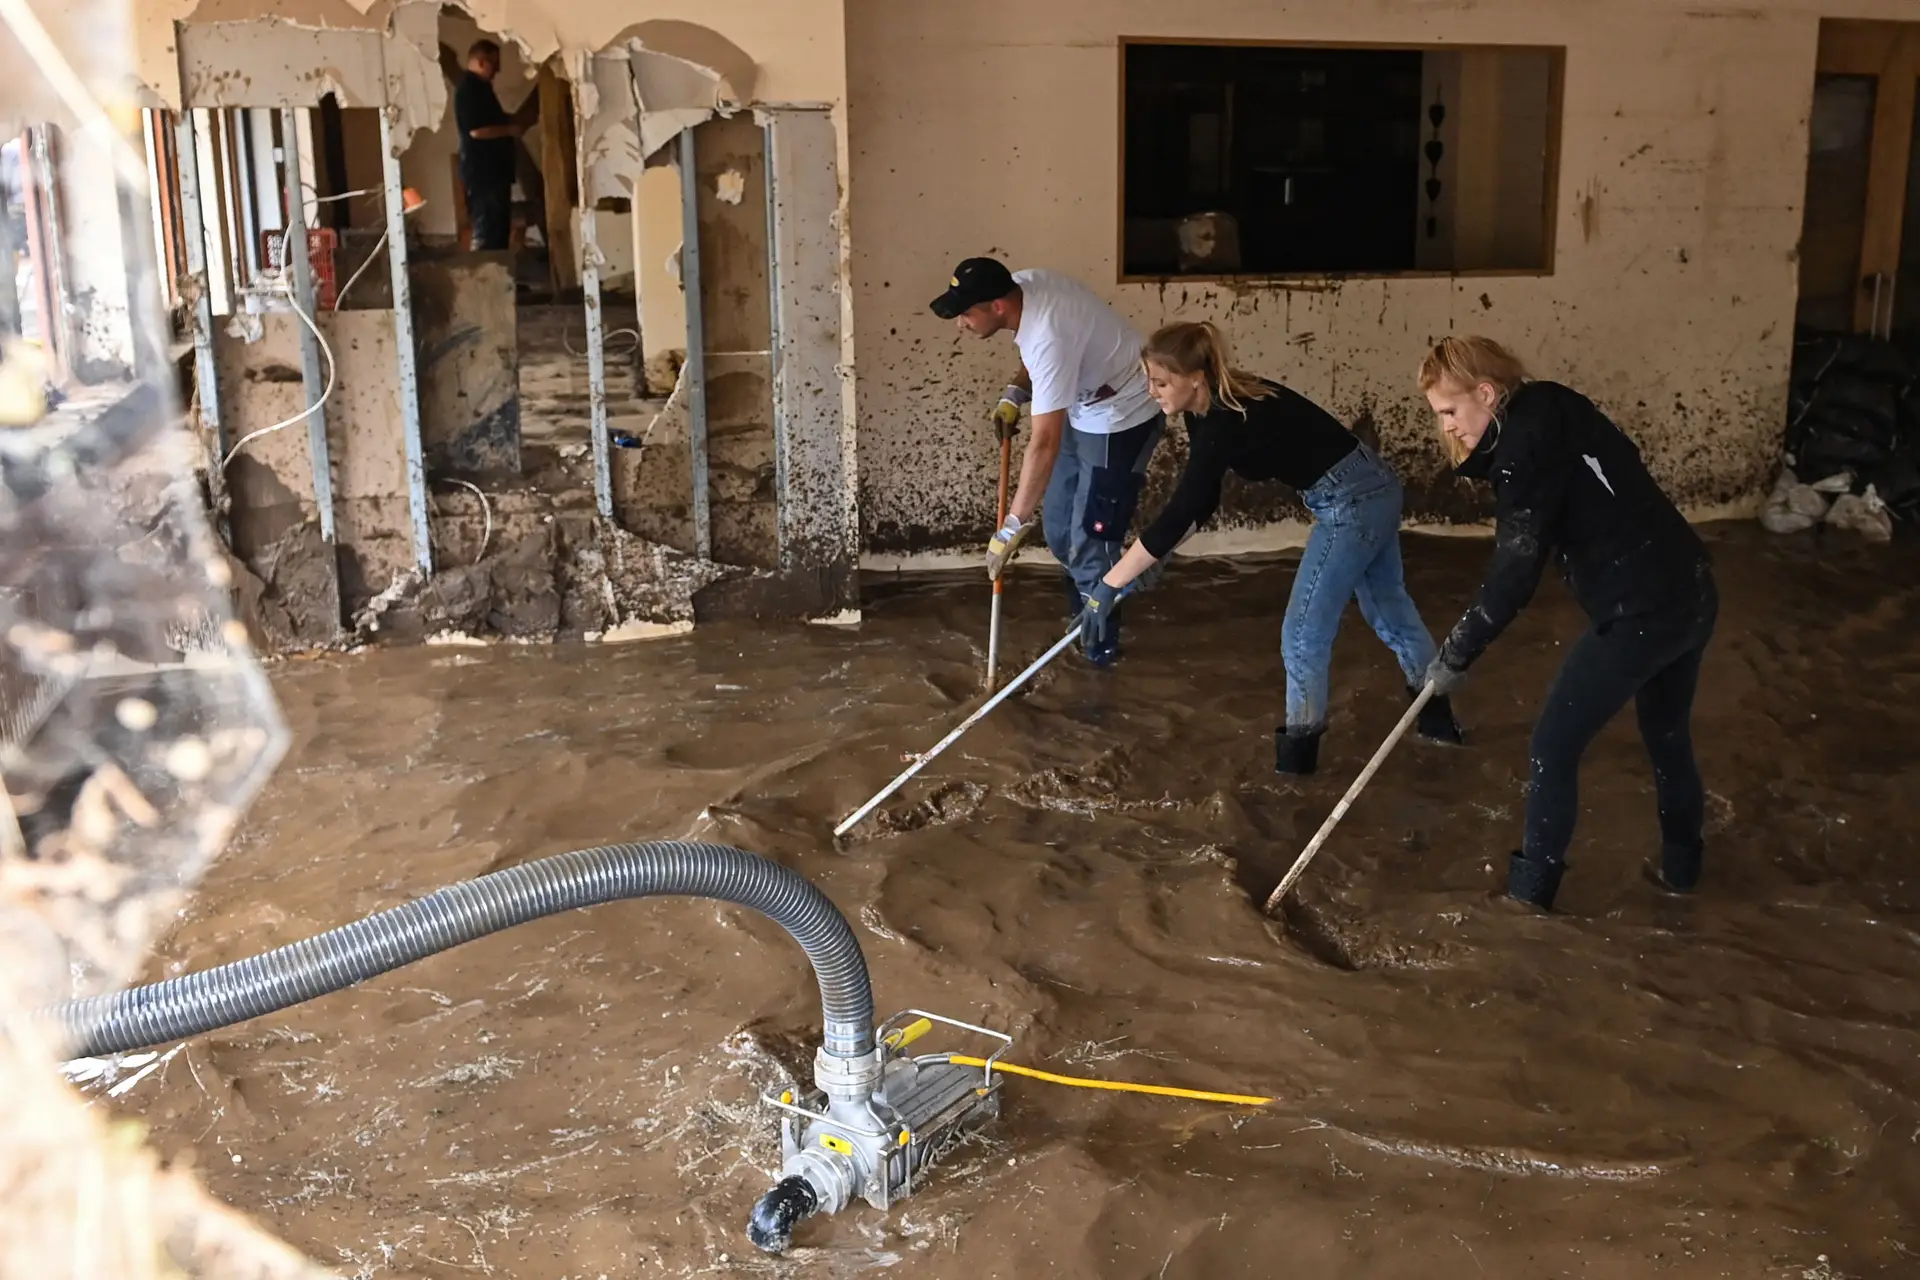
column 561, row 579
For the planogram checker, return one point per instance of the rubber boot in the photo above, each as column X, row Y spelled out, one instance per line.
column 1531, row 882
column 1076, row 599
column 1678, row 870
column 1296, row 750
column 1436, row 722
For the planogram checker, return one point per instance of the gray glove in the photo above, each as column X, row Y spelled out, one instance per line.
column 1444, row 678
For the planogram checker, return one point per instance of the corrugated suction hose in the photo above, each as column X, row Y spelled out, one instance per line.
column 194, row 1003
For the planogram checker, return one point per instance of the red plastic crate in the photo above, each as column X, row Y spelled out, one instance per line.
column 322, row 246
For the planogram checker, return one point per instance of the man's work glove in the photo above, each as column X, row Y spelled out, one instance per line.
column 1443, row 677
column 1006, row 414
column 1096, row 616
column 1005, row 541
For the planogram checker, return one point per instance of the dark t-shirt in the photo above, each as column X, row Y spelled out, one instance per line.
column 1283, row 436
column 484, row 162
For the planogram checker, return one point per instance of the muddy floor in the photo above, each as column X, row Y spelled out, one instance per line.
column 1727, row 1086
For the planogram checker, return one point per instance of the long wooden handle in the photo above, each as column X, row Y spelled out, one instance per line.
column 993, row 622
column 1346, row 801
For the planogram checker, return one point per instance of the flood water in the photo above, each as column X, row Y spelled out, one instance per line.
column 1722, row 1086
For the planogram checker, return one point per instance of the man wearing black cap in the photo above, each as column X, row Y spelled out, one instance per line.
column 1094, row 424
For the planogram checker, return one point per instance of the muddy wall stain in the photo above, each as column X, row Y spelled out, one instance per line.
column 1670, row 301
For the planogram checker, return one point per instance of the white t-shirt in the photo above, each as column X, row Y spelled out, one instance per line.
column 1081, row 355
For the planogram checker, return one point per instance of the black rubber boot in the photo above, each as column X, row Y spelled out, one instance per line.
column 1076, row 599
column 1436, row 722
column 1534, row 883
column 1296, row 751
column 1678, row 870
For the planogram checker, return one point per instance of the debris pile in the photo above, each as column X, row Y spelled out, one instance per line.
column 1853, row 438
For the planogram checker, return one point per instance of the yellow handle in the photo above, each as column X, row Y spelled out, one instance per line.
column 1078, row 1082
column 898, row 1040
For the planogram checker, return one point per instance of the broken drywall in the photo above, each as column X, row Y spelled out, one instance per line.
column 790, row 52
column 610, row 154
column 672, row 95
column 277, row 62
column 271, row 62
column 469, row 363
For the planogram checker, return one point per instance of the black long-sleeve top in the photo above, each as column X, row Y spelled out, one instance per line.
column 1569, row 484
column 1283, row 436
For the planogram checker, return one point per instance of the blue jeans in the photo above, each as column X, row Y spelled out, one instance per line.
column 1092, row 497
column 1354, row 550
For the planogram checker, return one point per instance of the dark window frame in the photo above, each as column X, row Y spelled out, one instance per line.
column 1556, row 120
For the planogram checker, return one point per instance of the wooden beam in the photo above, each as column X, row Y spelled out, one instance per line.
column 557, row 163
column 1859, row 48
column 1887, row 176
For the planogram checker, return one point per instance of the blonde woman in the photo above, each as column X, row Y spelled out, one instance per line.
column 1261, row 430
column 1568, row 483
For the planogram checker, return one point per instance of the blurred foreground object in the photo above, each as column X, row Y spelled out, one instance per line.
column 135, row 722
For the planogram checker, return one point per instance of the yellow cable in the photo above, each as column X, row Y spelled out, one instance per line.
column 1078, row 1082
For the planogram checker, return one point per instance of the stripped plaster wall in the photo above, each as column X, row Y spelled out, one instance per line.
column 746, row 55
column 274, row 515
column 656, row 251
column 797, row 46
column 1682, row 162
column 791, row 53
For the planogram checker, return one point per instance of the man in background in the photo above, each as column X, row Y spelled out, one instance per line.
column 487, row 135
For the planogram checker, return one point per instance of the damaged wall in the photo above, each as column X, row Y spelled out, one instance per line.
column 737, row 305
column 656, row 251
column 796, row 47
column 469, row 363
column 1682, row 159
column 274, row 517
column 739, row 53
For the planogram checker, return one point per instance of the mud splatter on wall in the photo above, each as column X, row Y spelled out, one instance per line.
column 1670, row 299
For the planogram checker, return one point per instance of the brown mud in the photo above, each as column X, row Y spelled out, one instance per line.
column 1723, row 1086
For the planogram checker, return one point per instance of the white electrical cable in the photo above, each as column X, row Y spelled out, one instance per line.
column 604, row 339
column 339, row 299
column 486, row 510
column 286, row 284
column 313, row 193
column 286, row 287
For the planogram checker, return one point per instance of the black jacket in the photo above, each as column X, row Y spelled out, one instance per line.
column 484, row 162
column 1568, row 483
column 1283, row 436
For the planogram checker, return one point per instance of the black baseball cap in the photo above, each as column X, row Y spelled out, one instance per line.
column 975, row 281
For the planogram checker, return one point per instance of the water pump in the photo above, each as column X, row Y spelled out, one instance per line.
column 872, row 1125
